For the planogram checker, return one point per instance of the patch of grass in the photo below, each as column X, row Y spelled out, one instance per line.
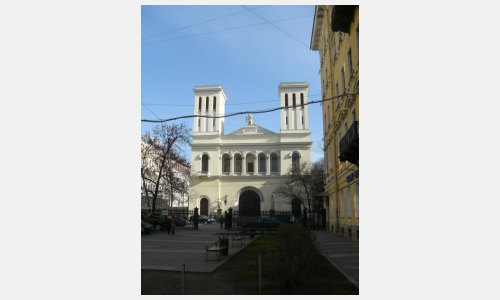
column 318, row 278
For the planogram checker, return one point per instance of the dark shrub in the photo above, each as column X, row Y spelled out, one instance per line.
column 290, row 258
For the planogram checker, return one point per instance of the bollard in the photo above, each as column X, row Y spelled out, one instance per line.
column 260, row 278
column 183, row 273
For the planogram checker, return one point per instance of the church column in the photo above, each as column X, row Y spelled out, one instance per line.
column 244, row 164
column 268, row 164
column 231, row 163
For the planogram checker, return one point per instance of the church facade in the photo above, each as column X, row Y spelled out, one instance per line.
column 242, row 169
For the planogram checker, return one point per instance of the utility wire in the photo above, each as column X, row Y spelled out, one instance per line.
column 236, row 103
column 199, row 23
column 150, row 110
column 272, row 24
column 221, row 30
column 243, row 112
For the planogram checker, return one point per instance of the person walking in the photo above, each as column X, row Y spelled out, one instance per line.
column 221, row 221
column 168, row 224
column 174, row 223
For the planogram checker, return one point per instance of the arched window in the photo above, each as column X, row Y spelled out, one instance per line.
column 293, row 100
column 215, row 101
column 286, row 100
column 262, row 163
column 274, row 163
column 199, row 103
column 204, row 163
column 237, row 163
column 206, row 106
column 225, row 163
column 295, row 160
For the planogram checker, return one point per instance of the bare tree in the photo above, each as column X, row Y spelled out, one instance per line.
column 305, row 182
column 161, row 147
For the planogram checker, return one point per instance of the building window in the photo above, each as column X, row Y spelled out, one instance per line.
column 349, row 202
column 215, row 101
column 337, row 98
column 237, row 163
column 225, row 163
column 302, row 119
column 250, row 167
column 206, row 106
column 295, row 160
column 341, row 208
column 349, row 60
column 204, row 163
column 274, row 163
column 357, row 37
column 302, row 100
column 262, row 163
column 199, row 122
column 213, row 123
column 353, row 116
column 293, row 96
column 356, row 195
column 334, row 49
column 286, row 100
column 199, row 103
column 343, row 80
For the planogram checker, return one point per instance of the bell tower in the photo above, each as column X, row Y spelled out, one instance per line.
column 209, row 102
column 293, row 99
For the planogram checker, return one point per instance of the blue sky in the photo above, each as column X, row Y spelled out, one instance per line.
column 188, row 46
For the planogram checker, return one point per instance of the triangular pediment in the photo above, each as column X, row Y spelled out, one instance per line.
column 251, row 130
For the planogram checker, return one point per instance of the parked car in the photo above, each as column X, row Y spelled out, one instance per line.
column 180, row 221
column 155, row 219
column 202, row 219
column 146, row 227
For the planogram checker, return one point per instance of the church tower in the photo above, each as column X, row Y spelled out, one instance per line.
column 294, row 97
column 209, row 101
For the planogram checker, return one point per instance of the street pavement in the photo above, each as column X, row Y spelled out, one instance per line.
column 160, row 251
column 342, row 253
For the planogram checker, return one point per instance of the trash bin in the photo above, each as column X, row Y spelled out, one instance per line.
column 224, row 242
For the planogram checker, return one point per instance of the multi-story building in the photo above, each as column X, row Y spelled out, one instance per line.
column 335, row 35
column 171, row 193
column 242, row 170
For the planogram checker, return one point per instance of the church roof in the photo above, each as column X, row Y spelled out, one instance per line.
column 251, row 129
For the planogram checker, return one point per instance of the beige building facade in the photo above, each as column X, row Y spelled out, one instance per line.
column 242, row 169
column 335, row 36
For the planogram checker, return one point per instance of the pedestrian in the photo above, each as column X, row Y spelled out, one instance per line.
column 168, row 224
column 221, row 221
column 174, row 222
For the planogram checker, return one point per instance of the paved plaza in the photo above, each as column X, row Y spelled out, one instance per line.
column 161, row 251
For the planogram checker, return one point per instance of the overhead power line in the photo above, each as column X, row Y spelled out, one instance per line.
column 242, row 112
column 275, row 26
column 199, row 23
column 222, row 30
column 236, row 103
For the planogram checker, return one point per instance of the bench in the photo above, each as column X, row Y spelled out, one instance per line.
column 239, row 239
column 218, row 249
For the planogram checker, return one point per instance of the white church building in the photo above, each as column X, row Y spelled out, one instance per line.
column 242, row 169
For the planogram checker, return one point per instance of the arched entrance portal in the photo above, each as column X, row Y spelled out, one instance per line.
column 249, row 204
column 296, row 208
column 204, row 206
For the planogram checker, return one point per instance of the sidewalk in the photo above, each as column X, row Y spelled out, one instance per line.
column 160, row 251
column 342, row 253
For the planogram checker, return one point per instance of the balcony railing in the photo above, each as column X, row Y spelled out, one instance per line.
column 349, row 145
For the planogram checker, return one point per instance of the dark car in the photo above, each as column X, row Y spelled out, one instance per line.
column 146, row 227
column 202, row 219
column 180, row 221
column 155, row 219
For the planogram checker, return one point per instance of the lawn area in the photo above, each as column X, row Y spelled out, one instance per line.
column 320, row 279
column 290, row 266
